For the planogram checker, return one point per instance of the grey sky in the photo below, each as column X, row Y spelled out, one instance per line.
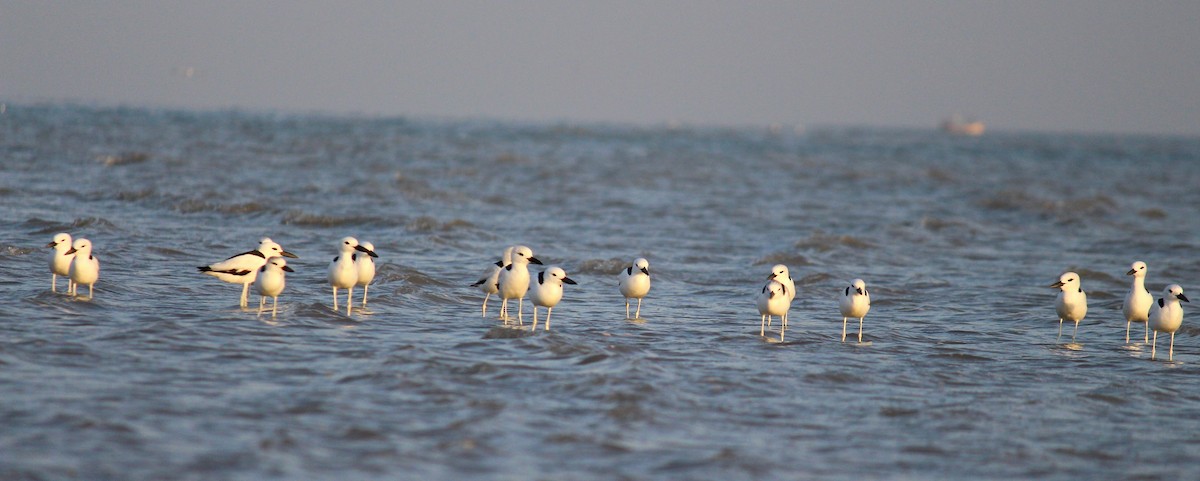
column 1092, row 66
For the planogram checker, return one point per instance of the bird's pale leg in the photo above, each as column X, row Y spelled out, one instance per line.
column 485, row 299
column 638, row 313
column 520, row 308
column 365, row 294
column 335, row 304
column 784, row 319
column 860, row 324
column 844, row 329
column 349, row 299
column 1127, row 323
column 1154, row 346
column 762, row 328
column 1076, row 331
column 627, row 308
column 1147, row 340
column 245, row 301
column 261, row 301
column 548, row 309
column 274, row 305
column 535, row 318
column 1171, row 355
column 53, row 282
column 1059, row 330
column 90, row 286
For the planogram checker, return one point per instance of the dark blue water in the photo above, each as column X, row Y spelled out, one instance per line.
column 162, row 376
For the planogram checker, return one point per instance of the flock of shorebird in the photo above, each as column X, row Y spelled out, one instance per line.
column 509, row 278
column 1165, row 315
column 264, row 268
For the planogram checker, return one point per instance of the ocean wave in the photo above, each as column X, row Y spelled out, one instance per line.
column 300, row 218
column 431, row 224
column 81, row 223
column 1024, row 201
column 192, row 206
column 601, row 266
column 786, row 258
column 134, row 195
column 822, row 242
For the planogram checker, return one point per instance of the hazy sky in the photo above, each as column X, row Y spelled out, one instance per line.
column 1091, row 66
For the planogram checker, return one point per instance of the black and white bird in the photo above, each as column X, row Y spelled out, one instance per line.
column 270, row 282
column 1166, row 315
column 243, row 268
column 343, row 274
column 547, row 291
column 490, row 281
column 1071, row 303
column 634, row 283
column 1138, row 300
column 365, row 266
column 772, row 301
column 513, row 281
column 855, row 302
column 779, row 273
column 85, row 267
column 60, row 261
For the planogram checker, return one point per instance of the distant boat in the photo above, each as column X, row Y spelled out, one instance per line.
column 958, row 126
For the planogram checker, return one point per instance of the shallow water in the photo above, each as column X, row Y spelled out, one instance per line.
column 162, row 376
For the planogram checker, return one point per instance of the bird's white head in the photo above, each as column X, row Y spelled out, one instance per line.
column 557, row 273
column 1068, row 281
column 270, row 249
column 81, row 248
column 779, row 272
column 1137, row 269
column 280, row 263
column 1173, row 292
column 772, row 289
column 859, row 286
column 642, row 264
column 525, row 254
column 367, row 248
column 348, row 244
column 62, row 242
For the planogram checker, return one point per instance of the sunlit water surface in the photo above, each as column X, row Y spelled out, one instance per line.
column 162, row 376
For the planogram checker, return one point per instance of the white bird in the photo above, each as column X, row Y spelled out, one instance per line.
column 547, row 291
column 366, row 268
column 856, row 301
column 1166, row 315
column 270, row 282
column 1137, row 302
column 513, row 281
column 1071, row 304
column 489, row 283
column 772, row 301
column 634, row 283
column 780, row 273
column 85, row 268
column 60, row 261
column 342, row 272
column 243, row 268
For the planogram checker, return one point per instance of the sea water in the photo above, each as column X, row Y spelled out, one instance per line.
column 162, row 376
